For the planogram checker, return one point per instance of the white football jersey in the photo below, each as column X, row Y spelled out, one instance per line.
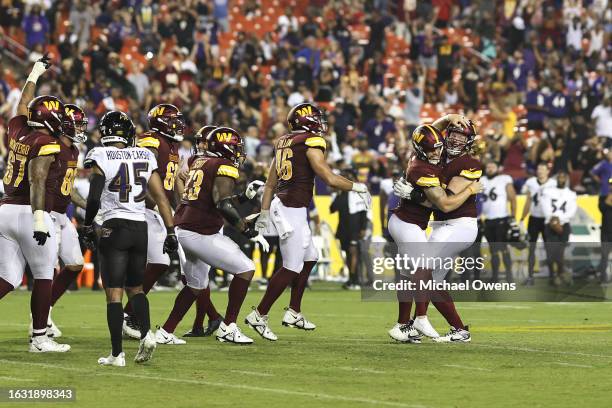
column 127, row 172
column 559, row 202
column 533, row 187
column 495, row 197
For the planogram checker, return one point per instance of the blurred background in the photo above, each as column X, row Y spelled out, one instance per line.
column 534, row 75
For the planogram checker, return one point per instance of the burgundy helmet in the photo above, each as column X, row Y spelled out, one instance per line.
column 80, row 122
column 427, row 139
column 307, row 117
column 167, row 120
column 47, row 112
column 225, row 142
column 459, row 139
column 200, row 137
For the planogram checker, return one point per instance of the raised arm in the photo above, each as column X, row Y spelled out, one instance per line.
column 451, row 119
column 29, row 89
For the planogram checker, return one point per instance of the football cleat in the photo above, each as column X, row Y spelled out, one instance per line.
column 163, row 337
column 405, row 333
column 259, row 323
column 529, row 281
column 146, row 348
column 232, row 334
column 130, row 327
column 52, row 330
column 455, row 335
column 44, row 344
column 212, row 327
column 118, row 361
column 199, row 332
column 422, row 325
column 297, row 320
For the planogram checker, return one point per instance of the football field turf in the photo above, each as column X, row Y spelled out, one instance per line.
column 522, row 354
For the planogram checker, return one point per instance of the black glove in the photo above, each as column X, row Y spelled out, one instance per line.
column 41, row 237
column 249, row 231
column 170, row 244
column 418, row 196
column 45, row 60
column 88, row 237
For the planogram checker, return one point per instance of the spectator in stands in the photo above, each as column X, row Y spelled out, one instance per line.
column 36, row 27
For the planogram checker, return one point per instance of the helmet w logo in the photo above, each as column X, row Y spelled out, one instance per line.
column 159, row 110
column 69, row 112
column 305, row 111
column 224, row 136
column 51, row 105
column 418, row 137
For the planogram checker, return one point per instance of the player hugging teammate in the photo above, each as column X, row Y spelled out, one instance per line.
column 442, row 178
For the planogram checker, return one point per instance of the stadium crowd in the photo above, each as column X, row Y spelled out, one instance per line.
column 533, row 74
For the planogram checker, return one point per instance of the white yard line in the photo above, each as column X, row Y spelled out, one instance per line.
column 561, row 363
column 261, row 374
column 466, row 367
column 530, row 350
column 361, row 369
column 15, row 379
column 269, row 390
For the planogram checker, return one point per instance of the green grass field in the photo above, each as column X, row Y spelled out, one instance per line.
column 522, row 354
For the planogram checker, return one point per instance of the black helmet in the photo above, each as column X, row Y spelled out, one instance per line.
column 117, row 127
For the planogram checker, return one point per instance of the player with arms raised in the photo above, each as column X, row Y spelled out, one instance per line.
column 420, row 190
column 27, row 235
column 206, row 202
column 299, row 156
column 166, row 126
column 121, row 176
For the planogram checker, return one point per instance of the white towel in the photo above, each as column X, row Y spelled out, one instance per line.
column 283, row 227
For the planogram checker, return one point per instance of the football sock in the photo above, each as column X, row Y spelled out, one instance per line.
column 140, row 304
column 421, row 295
column 211, row 311
column 40, row 302
column 114, row 318
column 508, row 266
column 5, row 288
column 280, row 280
column 403, row 315
column 299, row 285
column 152, row 274
column 445, row 305
column 182, row 303
column 236, row 294
column 202, row 302
column 61, row 282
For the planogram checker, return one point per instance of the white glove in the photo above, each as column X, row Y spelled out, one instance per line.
column 402, row 188
column 360, row 188
column 39, row 68
column 262, row 221
column 262, row 242
column 252, row 188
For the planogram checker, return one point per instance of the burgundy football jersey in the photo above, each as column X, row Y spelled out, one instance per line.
column 25, row 144
column 463, row 166
column 64, row 174
column 420, row 174
column 167, row 159
column 197, row 211
column 293, row 171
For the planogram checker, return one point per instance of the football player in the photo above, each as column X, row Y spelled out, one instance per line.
column 206, row 203
column 455, row 231
column 27, row 234
column 420, row 189
column 533, row 189
column 498, row 193
column 68, row 239
column 121, row 176
column 558, row 207
column 166, row 126
column 299, row 156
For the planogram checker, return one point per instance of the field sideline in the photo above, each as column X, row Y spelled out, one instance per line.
column 522, row 354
